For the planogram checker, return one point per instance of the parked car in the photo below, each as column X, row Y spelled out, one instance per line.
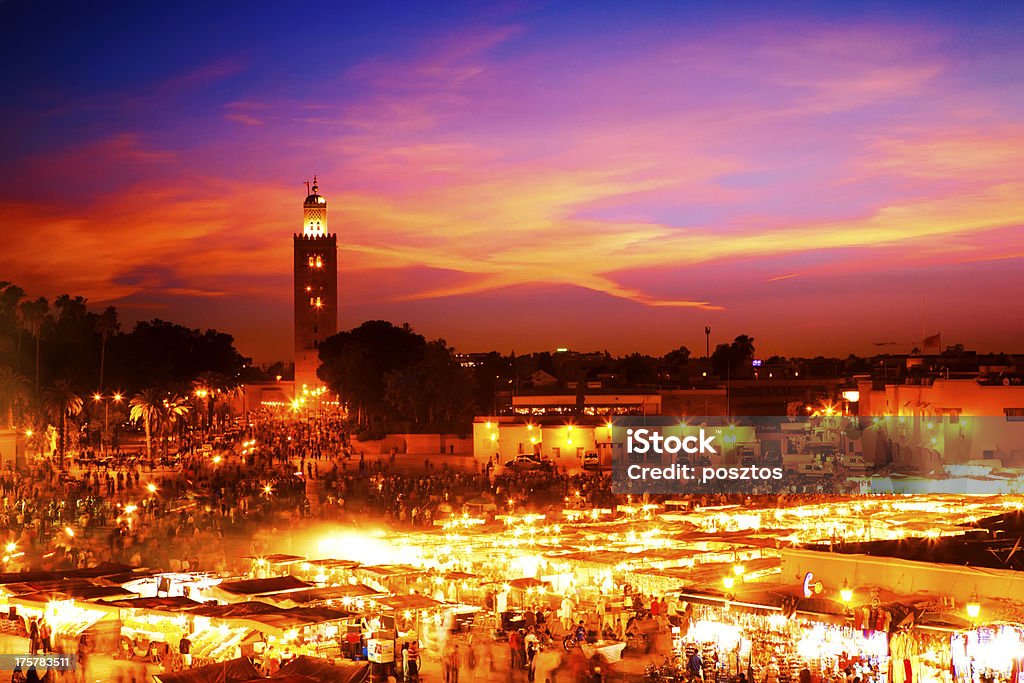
column 591, row 461
column 527, row 462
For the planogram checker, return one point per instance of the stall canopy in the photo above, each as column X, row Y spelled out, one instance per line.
column 167, row 604
column 72, row 588
column 305, row 597
column 411, row 601
column 238, row 670
column 235, row 591
column 270, row 619
column 332, row 563
column 90, row 573
column 284, row 559
column 391, row 570
column 322, row 672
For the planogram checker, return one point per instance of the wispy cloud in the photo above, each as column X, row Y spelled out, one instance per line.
column 487, row 161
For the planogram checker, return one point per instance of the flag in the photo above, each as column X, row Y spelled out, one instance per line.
column 932, row 343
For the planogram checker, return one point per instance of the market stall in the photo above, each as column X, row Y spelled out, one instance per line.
column 390, row 578
column 774, row 634
column 325, row 571
column 69, row 619
column 152, row 627
column 994, row 652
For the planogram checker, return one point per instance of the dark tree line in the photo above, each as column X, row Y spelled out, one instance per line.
column 89, row 349
column 61, row 364
column 393, row 379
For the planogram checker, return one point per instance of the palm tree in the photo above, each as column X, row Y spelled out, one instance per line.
column 744, row 346
column 174, row 408
column 145, row 407
column 33, row 315
column 208, row 385
column 61, row 401
column 107, row 325
column 10, row 296
column 13, row 391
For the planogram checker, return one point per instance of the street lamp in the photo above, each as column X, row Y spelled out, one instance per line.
column 105, row 400
column 846, row 593
column 974, row 607
column 729, row 582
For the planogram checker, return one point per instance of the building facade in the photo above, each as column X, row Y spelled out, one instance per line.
column 316, row 289
column 935, row 423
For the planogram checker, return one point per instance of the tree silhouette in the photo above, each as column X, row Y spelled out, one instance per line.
column 107, row 325
column 61, row 402
column 14, row 390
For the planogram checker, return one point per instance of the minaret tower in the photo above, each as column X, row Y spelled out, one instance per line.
column 316, row 289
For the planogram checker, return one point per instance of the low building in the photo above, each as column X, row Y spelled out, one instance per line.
column 12, row 448
column 590, row 404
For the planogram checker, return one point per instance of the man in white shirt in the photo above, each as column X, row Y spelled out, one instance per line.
column 565, row 613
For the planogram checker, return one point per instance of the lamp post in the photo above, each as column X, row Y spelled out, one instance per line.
column 201, row 393
column 974, row 609
column 105, row 400
column 846, row 595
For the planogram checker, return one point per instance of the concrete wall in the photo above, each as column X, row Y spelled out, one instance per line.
column 416, row 444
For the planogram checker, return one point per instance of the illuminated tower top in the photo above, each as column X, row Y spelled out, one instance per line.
column 314, row 214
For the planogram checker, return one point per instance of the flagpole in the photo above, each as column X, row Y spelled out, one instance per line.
column 924, row 317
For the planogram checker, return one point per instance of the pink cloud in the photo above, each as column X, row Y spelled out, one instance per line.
column 468, row 172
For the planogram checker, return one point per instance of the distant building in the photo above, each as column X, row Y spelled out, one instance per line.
column 937, row 422
column 589, row 404
column 12, row 448
column 567, row 441
column 316, row 288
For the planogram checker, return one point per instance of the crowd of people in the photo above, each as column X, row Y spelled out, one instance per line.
column 215, row 498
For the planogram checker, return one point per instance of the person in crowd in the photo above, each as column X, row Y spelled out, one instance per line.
column 695, row 667
column 185, row 650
